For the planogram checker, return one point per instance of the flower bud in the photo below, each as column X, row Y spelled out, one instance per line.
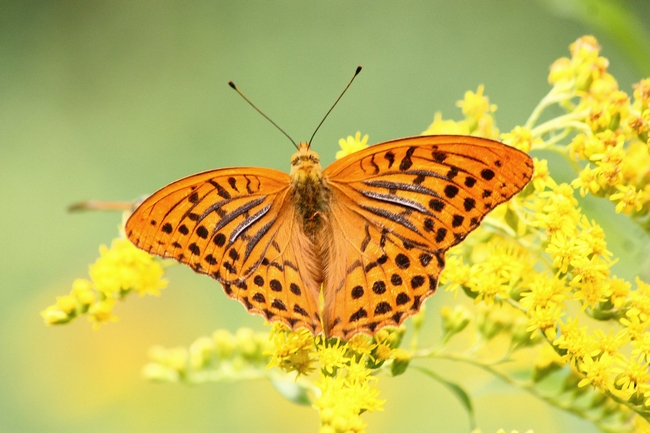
column 201, row 352
column 401, row 361
column 54, row 316
column 245, row 341
column 224, row 343
column 454, row 320
column 158, row 373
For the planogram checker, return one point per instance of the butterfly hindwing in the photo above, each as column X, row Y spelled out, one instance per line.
column 415, row 198
column 235, row 225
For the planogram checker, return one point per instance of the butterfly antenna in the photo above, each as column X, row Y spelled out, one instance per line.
column 335, row 102
column 231, row 84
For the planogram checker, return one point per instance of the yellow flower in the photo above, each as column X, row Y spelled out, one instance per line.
column 475, row 104
column 635, row 325
column 440, row 126
column 124, row 267
column 576, row 341
column 619, row 290
column 291, row 351
column 456, row 274
column 357, row 372
column 200, row 353
column 587, row 181
column 635, row 166
column 382, row 352
column 611, row 343
column 521, row 138
column 82, row 290
column 499, row 266
column 351, row 145
column 53, row 315
column 592, row 238
column 641, row 346
column 634, row 375
column 559, row 211
column 590, row 277
column 610, row 162
column 544, row 292
column 361, row 345
column 344, row 397
column 642, row 93
column 332, row 355
column 628, row 198
column 640, row 301
column 544, row 319
column 454, row 320
column 541, row 175
column 563, row 250
column 597, row 371
column 224, row 343
column 66, row 303
column 585, row 61
column 478, row 113
column 584, row 146
column 561, row 71
column 101, row 312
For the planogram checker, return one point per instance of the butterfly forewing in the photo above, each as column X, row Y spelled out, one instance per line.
column 414, row 199
column 235, row 225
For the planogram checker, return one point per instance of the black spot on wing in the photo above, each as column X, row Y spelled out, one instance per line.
column 451, row 191
column 233, row 183
column 358, row 315
column 406, row 162
column 390, row 157
column 487, row 174
column 383, row 308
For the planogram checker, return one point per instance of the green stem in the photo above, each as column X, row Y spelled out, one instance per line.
column 554, row 96
column 570, row 120
column 529, row 387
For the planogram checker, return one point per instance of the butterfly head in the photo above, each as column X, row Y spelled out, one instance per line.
column 305, row 164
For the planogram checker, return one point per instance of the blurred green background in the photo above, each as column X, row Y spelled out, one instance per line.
column 113, row 99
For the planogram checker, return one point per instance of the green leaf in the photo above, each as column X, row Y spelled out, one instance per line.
column 457, row 390
column 292, row 391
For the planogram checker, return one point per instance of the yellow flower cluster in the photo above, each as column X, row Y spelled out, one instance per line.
column 478, row 120
column 222, row 357
column 346, row 385
column 614, row 129
column 550, row 262
column 121, row 269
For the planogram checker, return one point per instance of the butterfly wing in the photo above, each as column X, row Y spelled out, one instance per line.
column 395, row 209
column 239, row 227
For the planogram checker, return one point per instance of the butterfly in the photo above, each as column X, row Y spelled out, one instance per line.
column 370, row 231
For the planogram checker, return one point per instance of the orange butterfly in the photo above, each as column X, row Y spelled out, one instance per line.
column 371, row 229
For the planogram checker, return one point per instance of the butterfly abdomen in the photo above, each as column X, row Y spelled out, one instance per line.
column 310, row 199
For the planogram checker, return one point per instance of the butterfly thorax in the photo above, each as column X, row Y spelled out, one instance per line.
column 310, row 193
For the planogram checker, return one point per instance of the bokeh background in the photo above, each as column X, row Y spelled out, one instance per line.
column 113, row 99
